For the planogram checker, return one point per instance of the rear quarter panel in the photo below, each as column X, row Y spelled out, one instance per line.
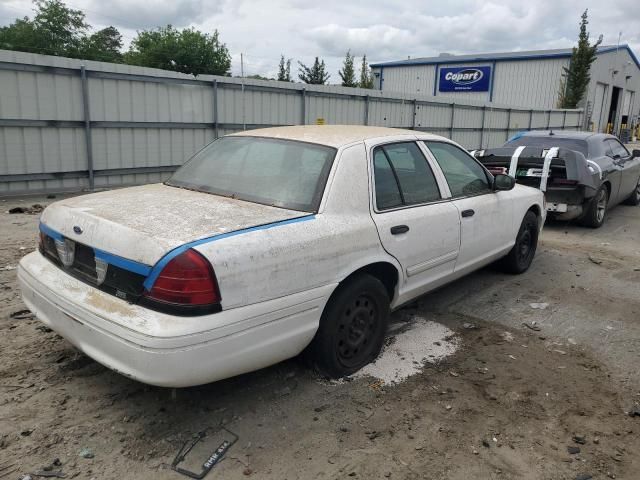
column 283, row 260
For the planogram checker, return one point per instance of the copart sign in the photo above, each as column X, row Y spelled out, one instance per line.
column 464, row 79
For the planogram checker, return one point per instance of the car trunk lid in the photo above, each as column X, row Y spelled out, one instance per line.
column 142, row 224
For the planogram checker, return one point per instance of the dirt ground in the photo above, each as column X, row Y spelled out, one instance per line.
column 507, row 404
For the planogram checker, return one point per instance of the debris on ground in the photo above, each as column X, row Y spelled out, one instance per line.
column 539, row 306
column 32, row 210
column 635, row 411
column 584, row 476
column 86, row 453
column 595, row 260
column 573, row 450
column 227, row 438
column 8, row 268
column 22, row 314
column 579, row 439
column 532, row 326
column 469, row 326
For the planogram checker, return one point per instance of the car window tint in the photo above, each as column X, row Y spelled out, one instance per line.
column 464, row 175
column 617, row 148
column 417, row 182
column 607, row 148
column 387, row 191
column 282, row 173
column 402, row 176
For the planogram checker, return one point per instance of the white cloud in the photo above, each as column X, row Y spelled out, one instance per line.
column 383, row 29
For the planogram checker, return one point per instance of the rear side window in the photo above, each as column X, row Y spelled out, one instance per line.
column 464, row 175
column 402, row 176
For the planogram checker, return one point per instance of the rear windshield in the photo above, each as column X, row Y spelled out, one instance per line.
column 550, row 141
column 281, row 173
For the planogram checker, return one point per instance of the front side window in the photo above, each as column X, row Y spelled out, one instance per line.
column 402, row 176
column 464, row 175
column 281, row 173
column 617, row 149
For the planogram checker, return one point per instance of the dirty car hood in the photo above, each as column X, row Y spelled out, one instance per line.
column 144, row 223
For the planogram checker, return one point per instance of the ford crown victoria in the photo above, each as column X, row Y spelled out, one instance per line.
column 268, row 243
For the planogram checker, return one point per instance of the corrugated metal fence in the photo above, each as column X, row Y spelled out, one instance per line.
column 68, row 124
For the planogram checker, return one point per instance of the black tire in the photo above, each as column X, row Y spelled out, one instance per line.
column 519, row 258
column 352, row 327
column 597, row 211
column 634, row 198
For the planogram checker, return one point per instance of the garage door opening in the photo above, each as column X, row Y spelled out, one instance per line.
column 613, row 109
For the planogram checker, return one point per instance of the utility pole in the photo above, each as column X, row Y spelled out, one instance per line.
column 244, row 122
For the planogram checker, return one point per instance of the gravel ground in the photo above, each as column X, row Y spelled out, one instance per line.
column 494, row 399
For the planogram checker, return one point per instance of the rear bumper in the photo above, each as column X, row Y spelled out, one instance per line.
column 565, row 203
column 165, row 350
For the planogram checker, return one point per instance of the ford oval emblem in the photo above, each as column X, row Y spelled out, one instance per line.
column 77, row 229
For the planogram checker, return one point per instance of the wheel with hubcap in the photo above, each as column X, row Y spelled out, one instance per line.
column 597, row 211
column 634, row 198
column 352, row 327
column 519, row 258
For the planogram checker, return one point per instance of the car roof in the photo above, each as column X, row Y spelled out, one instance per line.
column 571, row 134
column 332, row 135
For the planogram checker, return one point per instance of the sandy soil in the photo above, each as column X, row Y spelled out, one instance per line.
column 507, row 403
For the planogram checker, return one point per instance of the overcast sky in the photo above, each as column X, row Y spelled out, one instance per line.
column 383, row 29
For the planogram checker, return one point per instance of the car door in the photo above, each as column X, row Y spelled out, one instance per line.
column 485, row 216
column 415, row 222
column 629, row 168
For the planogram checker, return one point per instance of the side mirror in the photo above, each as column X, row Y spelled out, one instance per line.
column 635, row 153
column 503, row 182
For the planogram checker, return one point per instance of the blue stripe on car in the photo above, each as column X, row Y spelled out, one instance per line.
column 50, row 232
column 124, row 263
column 152, row 273
column 157, row 268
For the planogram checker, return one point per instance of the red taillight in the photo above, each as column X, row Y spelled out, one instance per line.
column 188, row 279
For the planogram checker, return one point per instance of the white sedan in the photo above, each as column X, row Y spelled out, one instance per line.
column 268, row 243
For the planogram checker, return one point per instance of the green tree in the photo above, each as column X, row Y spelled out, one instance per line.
column 284, row 69
column 104, row 45
column 314, row 75
column 348, row 73
column 577, row 76
column 366, row 77
column 54, row 30
column 187, row 51
column 257, row 76
column 21, row 35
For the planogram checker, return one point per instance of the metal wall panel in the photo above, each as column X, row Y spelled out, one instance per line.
column 335, row 110
column 540, row 119
column 417, row 80
column 150, row 120
column 531, row 83
column 39, row 96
